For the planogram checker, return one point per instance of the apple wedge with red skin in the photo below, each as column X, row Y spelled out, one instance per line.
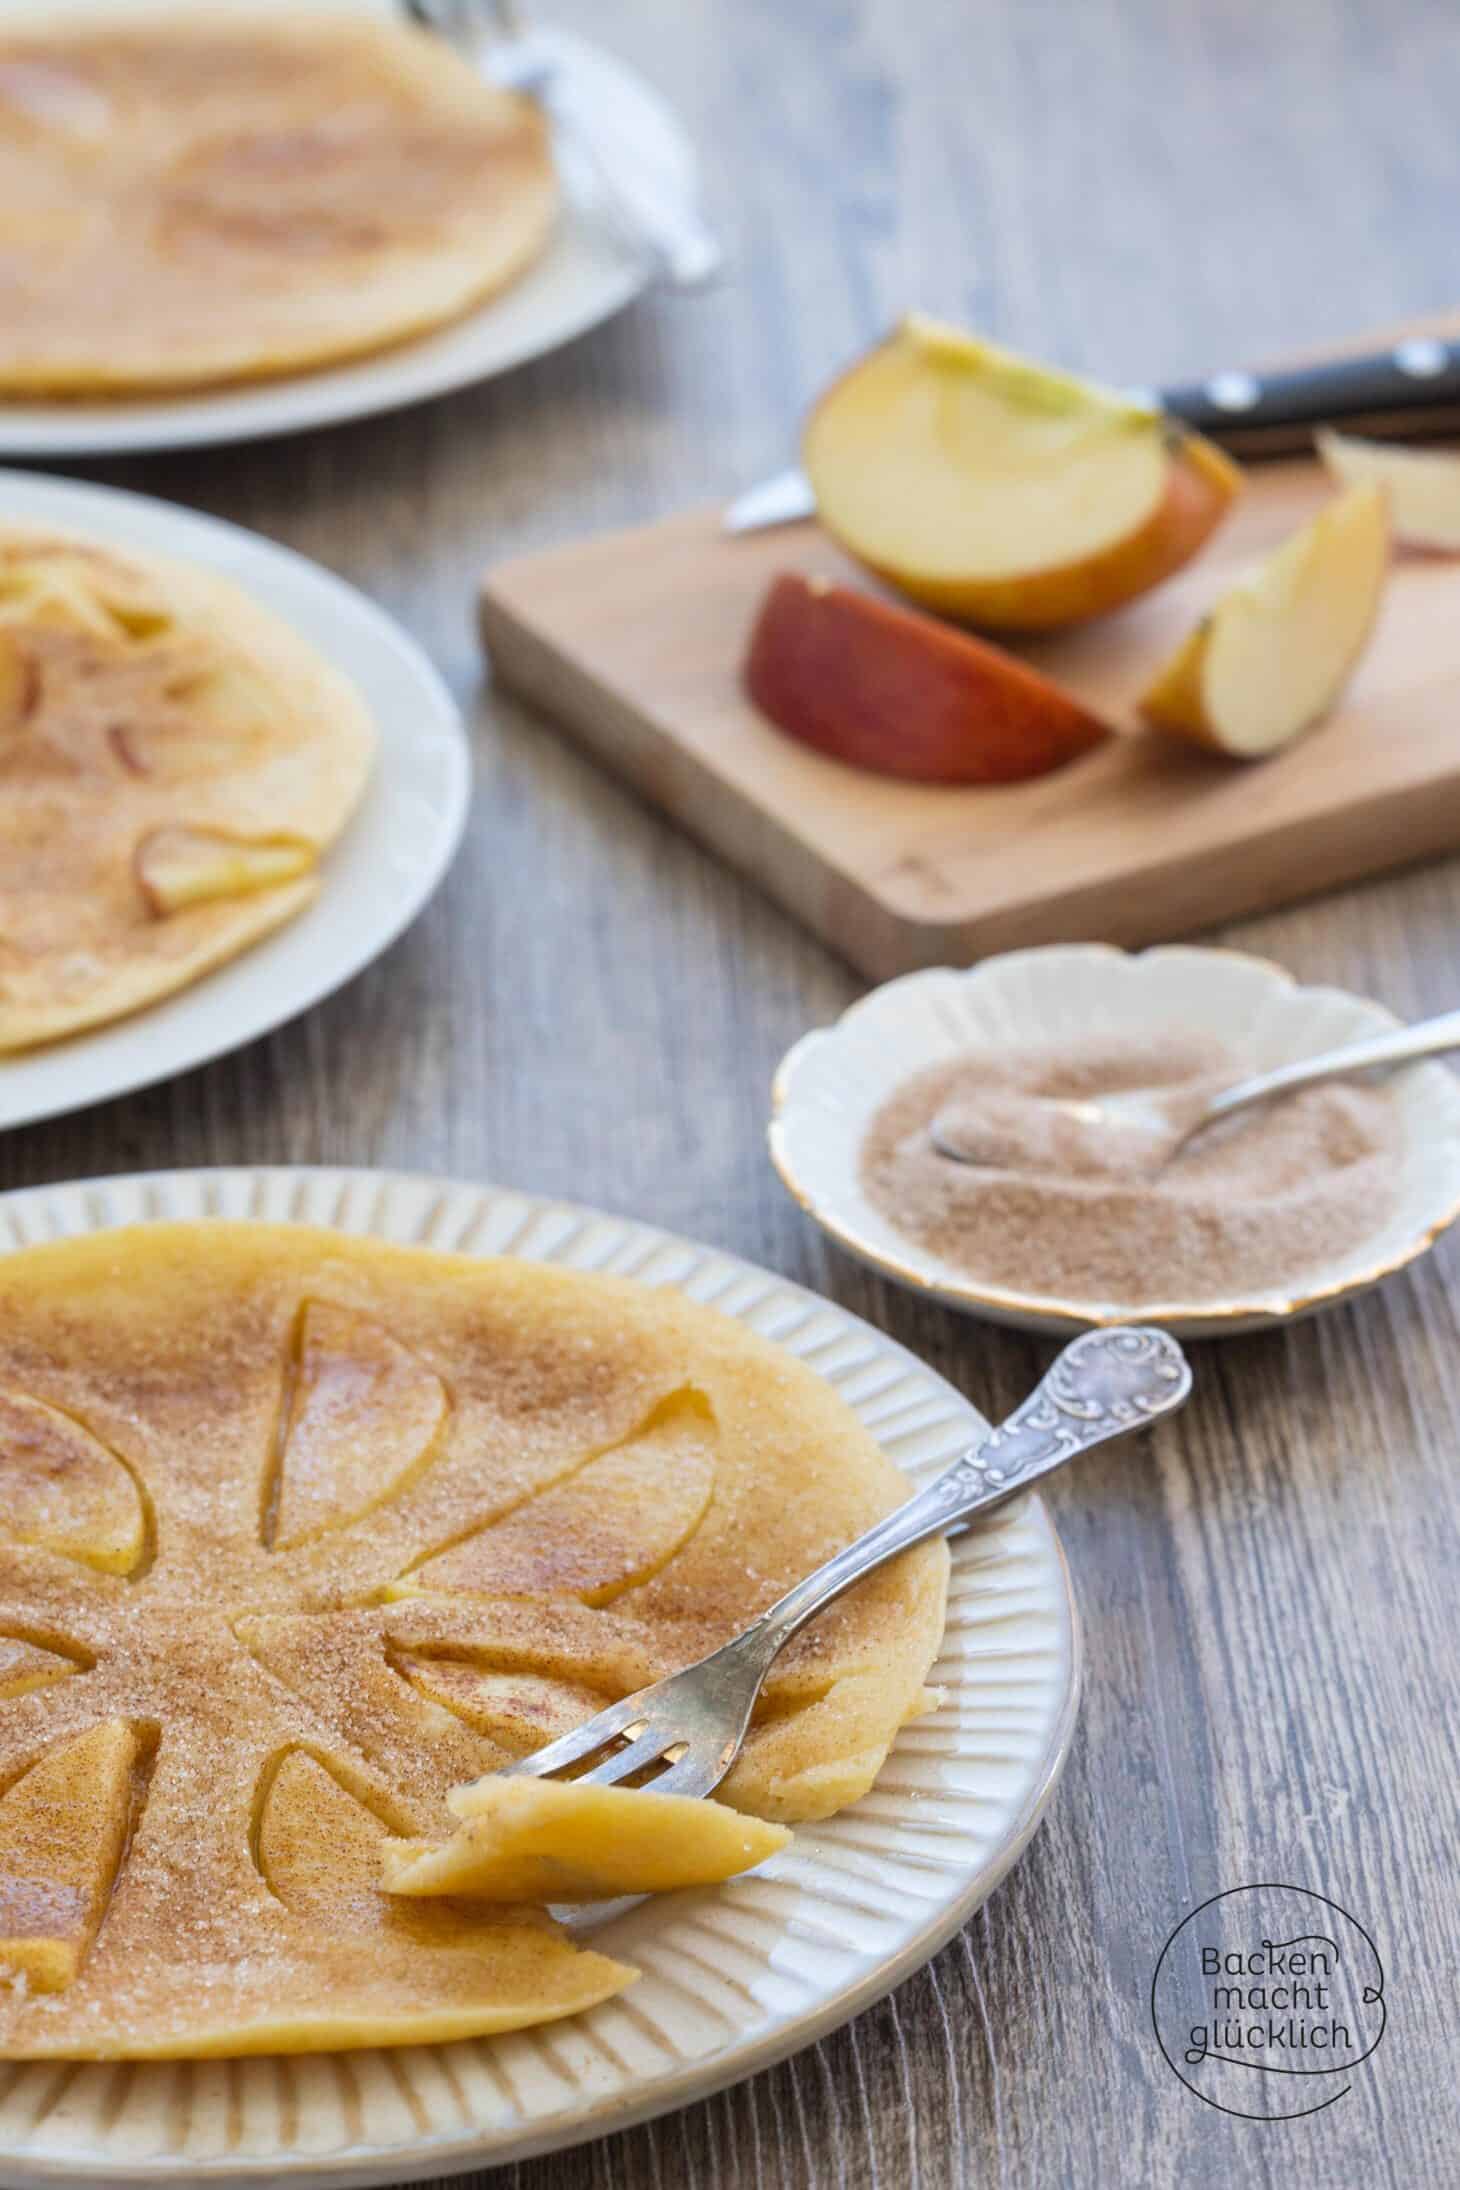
column 897, row 692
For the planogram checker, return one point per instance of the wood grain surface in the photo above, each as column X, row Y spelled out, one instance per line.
column 634, row 641
column 594, row 1007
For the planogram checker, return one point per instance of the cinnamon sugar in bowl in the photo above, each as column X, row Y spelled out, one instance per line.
column 1299, row 1203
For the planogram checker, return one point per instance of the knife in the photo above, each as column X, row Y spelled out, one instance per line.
column 1412, row 387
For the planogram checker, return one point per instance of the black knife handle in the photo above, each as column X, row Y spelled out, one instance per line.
column 1413, row 388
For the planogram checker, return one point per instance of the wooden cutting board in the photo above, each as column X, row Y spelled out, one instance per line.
column 633, row 643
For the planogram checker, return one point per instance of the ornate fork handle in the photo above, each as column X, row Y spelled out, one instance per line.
column 1103, row 1384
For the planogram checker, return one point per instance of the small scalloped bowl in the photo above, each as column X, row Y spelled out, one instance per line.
column 833, row 1081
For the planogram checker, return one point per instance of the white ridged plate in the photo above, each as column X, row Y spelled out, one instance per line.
column 834, row 1080
column 734, row 1977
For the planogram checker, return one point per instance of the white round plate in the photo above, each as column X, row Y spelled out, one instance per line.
column 587, row 273
column 734, row 1977
column 376, row 878
column 832, row 1082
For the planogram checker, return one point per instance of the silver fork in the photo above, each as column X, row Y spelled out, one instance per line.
column 691, row 1725
column 602, row 123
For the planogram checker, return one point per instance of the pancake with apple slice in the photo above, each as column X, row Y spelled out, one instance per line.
column 309, row 1536
column 173, row 761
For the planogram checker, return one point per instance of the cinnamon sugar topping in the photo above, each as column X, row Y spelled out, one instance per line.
column 1058, row 1209
column 297, row 1532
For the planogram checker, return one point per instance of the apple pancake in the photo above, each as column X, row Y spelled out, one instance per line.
column 196, row 198
column 173, row 760
column 298, row 1533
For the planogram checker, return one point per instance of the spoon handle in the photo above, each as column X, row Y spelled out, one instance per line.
column 1398, row 1046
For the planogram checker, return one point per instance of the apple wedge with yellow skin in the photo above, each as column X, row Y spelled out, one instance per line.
column 1422, row 485
column 1272, row 656
column 1001, row 492
column 178, row 866
column 889, row 689
column 547, row 1840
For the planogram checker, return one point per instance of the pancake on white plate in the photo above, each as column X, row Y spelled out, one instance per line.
column 187, row 200
column 173, row 761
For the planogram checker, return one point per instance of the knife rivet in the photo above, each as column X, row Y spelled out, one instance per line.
column 1234, row 391
column 1421, row 357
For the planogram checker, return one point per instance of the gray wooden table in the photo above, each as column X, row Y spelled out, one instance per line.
column 593, row 1007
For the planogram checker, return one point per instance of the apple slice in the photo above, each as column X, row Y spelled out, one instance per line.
column 888, row 689
column 127, row 749
column 569, row 1840
column 1423, row 485
column 18, row 682
column 63, row 1833
column 1001, row 492
column 1273, row 654
column 177, row 866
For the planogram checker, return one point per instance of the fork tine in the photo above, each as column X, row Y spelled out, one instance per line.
column 694, row 1774
column 604, row 1726
column 650, row 1746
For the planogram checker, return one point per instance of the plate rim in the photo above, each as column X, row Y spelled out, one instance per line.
column 690, row 2080
column 236, row 548
column 1043, row 1313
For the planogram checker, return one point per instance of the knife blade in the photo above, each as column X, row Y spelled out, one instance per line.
column 783, row 500
column 1411, row 388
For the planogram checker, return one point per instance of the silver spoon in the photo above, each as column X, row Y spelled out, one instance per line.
column 1170, row 1117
